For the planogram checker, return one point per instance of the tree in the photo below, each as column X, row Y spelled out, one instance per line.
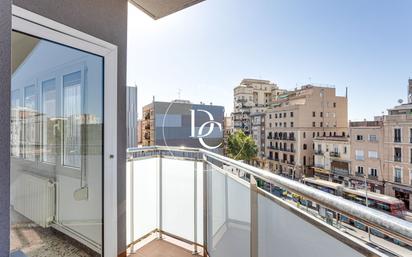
column 241, row 147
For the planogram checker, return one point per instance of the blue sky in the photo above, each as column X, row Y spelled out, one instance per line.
column 206, row 50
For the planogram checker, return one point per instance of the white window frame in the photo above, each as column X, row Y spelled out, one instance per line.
column 370, row 171
column 39, row 26
column 356, row 155
column 373, row 157
column 363, row 169
column 394, row 173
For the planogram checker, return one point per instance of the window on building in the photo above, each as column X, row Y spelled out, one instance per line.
column 291, row 114
column 321, row 114
column 345, row 149
column 321, row 124
column 276, row 115
column 373, row 154
column 313, row 124
column 397, row 175
column 410, row 156
column 397, row 154
column 397, row 135
column 270, row 116
column 284, row 115
column 410, row 135
column 313, row 134
column 291, row 124
column 304, row 160
column 313, row 114
column 373, row 138
column 360, row 170
column 305, row 146
column 359, row 155
column 280, row 115
column 359, row 137
column 284, row 124
column 304, row 134
column 334, row 105
column 373, row 172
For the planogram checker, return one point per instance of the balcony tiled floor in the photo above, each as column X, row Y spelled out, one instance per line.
column 161, row 248
column 35, row 241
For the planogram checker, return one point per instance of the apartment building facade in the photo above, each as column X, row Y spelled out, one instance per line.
column 252, row 96
column 227, row 131
column 258, row 131
column 398, row 152
column 367, row 154
column 182, row 123
column 295, row 119
column 332, row 158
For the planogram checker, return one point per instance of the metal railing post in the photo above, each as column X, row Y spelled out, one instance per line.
column 205, row 207
column 254, row 225
column 160, row 194
column 195, row 208
column 132, row 204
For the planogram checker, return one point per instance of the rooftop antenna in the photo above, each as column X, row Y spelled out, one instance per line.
column 179, row 92
column 346, row 93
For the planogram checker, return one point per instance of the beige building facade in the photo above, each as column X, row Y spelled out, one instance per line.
column 332, row 158
column 367, row 155
column 294, row 120
column 398, row 152
column 252, row 96
column 227, row 131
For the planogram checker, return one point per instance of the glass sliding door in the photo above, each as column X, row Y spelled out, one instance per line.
column 56, row 149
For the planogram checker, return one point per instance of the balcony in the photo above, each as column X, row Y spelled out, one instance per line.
column 340, row 172
column 359, row 174
column 334, row 154
column 182, row 201
column 318, row 152
column 397, row 179
column 397, row 158
column 397, row 140
column 372, row 177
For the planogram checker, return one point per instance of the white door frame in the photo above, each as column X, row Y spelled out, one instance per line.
column 39, row 26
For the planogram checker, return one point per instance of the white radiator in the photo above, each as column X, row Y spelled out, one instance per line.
column 33, row 197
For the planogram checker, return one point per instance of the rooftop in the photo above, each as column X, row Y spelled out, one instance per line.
column 374, row 123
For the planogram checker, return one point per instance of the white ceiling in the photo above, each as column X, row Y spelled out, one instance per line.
column 161, row 8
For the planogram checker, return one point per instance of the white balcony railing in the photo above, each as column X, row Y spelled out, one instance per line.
column 223, row 207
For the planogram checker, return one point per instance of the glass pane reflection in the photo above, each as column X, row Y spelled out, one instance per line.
column 56, row 149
